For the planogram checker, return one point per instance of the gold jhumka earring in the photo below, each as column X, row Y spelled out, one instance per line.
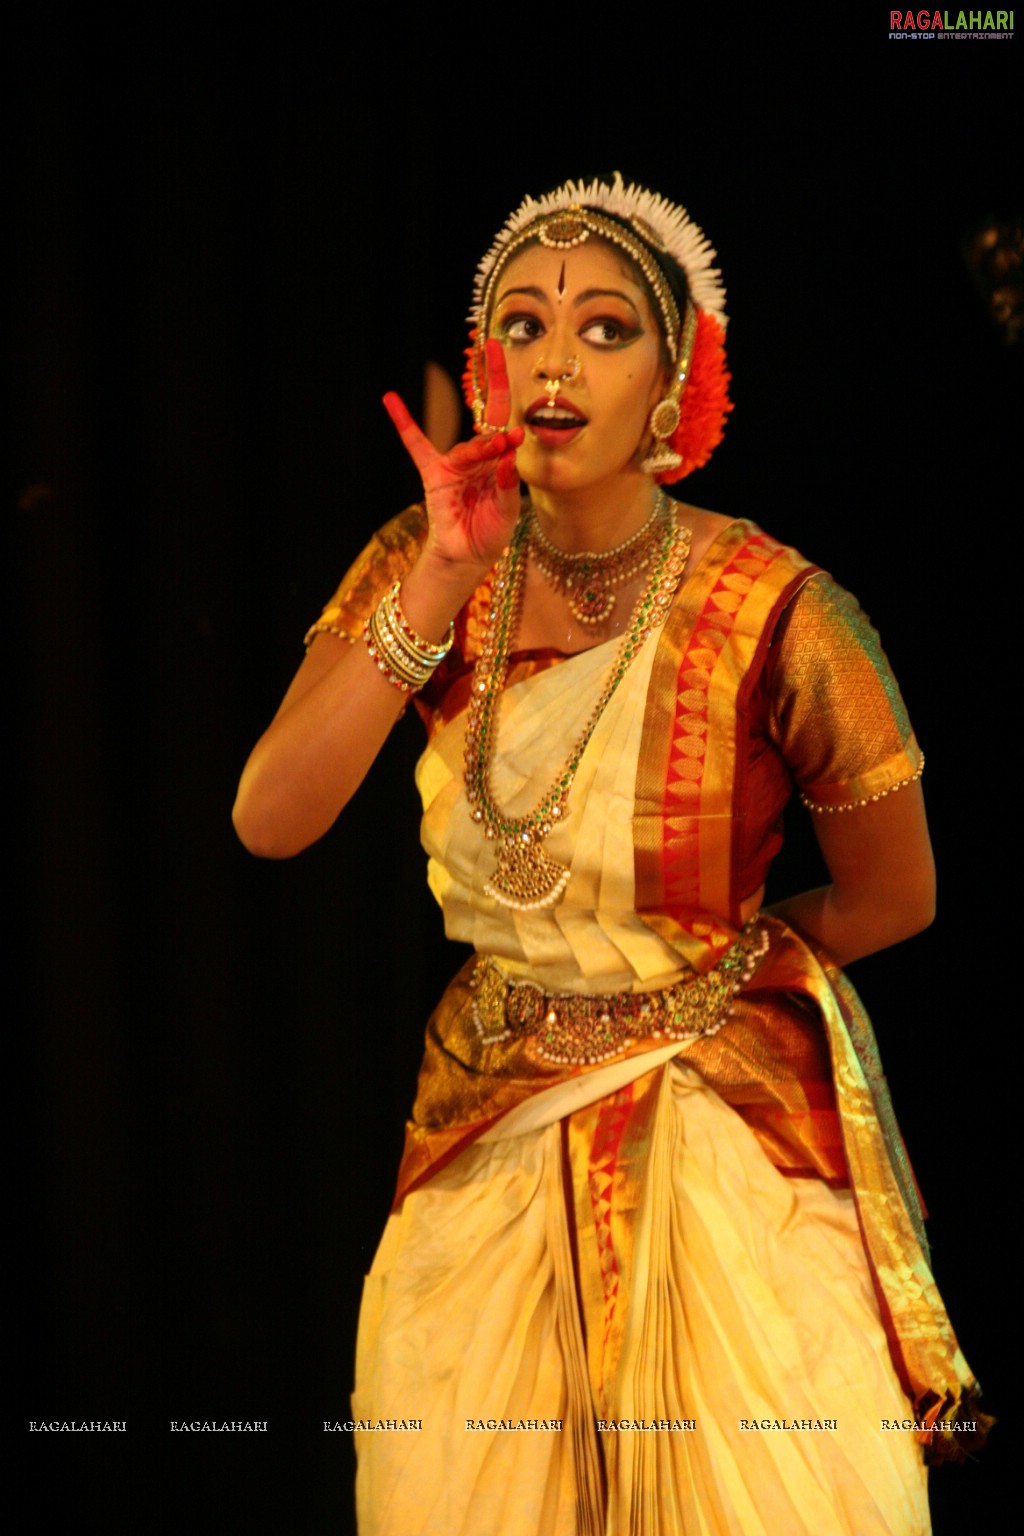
column 666, row 415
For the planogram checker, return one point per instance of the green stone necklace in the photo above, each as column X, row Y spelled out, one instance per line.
column 525, row 877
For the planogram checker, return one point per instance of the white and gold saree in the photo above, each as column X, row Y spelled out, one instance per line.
column 684, row 1289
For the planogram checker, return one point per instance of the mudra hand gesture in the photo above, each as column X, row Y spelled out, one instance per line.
column 472, row 492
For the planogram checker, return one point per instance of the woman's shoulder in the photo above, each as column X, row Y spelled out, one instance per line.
column 705, row 527
column 725, row 538
column 403, row 533
column 390, row 552
column 386, row 558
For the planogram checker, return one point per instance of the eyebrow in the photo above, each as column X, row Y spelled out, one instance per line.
column 581, row 298
column 604, row 293
column 531, row 293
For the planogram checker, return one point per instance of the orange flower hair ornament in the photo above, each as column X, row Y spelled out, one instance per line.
column 687, row 425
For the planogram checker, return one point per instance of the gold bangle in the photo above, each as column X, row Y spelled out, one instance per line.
column 416, row 668
column 403, row 657
column 410, row 639
column 390, row 663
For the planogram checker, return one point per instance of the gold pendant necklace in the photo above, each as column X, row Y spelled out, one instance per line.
column 525, row 877
column 588, row 579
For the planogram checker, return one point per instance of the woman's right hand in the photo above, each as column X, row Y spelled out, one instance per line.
column 339, row 709
column 472, row 492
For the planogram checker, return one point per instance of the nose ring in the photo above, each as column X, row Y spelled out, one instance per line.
column 572, row 371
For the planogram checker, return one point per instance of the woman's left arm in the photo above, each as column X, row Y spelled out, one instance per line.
column 879, row 859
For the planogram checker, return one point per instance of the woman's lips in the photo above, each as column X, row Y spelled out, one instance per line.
column 554, row 423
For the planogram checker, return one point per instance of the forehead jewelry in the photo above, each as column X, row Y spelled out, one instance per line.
column 567, row 217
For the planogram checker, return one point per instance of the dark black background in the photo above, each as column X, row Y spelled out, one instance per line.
column 229, row 239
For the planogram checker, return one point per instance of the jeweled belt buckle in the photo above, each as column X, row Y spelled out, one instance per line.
column 584, row 1029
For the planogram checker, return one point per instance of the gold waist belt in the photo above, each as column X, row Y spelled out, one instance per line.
column 576, row 1029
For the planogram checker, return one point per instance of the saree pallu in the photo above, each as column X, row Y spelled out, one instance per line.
column 715, row 1234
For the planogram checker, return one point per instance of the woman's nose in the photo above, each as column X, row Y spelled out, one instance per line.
column 554, row 369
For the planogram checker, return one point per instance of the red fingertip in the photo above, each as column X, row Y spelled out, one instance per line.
column 397, row 410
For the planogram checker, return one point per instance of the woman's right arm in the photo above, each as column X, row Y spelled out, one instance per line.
column 339, row 709
column 333, row 721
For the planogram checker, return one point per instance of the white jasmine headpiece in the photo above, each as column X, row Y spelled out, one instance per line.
column 664, row 225
column 645, row 226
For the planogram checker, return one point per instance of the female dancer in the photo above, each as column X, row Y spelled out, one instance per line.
column 656, row 1262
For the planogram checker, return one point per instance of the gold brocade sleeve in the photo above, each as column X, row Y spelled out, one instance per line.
column 837, row 716
column 385, row 560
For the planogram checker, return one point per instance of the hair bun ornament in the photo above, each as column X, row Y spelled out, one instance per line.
column 704, row 404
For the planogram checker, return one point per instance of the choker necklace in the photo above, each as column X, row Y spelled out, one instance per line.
column 526, row 878
column 587, row 579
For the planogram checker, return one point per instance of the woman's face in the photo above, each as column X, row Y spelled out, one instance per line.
column 582, row 303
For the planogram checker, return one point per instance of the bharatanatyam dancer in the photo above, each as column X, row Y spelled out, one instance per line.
column 656, row 1260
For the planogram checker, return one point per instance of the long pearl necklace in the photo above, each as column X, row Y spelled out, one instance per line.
column 525, row 877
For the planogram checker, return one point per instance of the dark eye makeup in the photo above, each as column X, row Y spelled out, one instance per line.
column 602, row 331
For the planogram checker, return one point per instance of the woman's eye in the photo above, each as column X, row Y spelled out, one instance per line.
column 520, row 328
column 608, row 333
